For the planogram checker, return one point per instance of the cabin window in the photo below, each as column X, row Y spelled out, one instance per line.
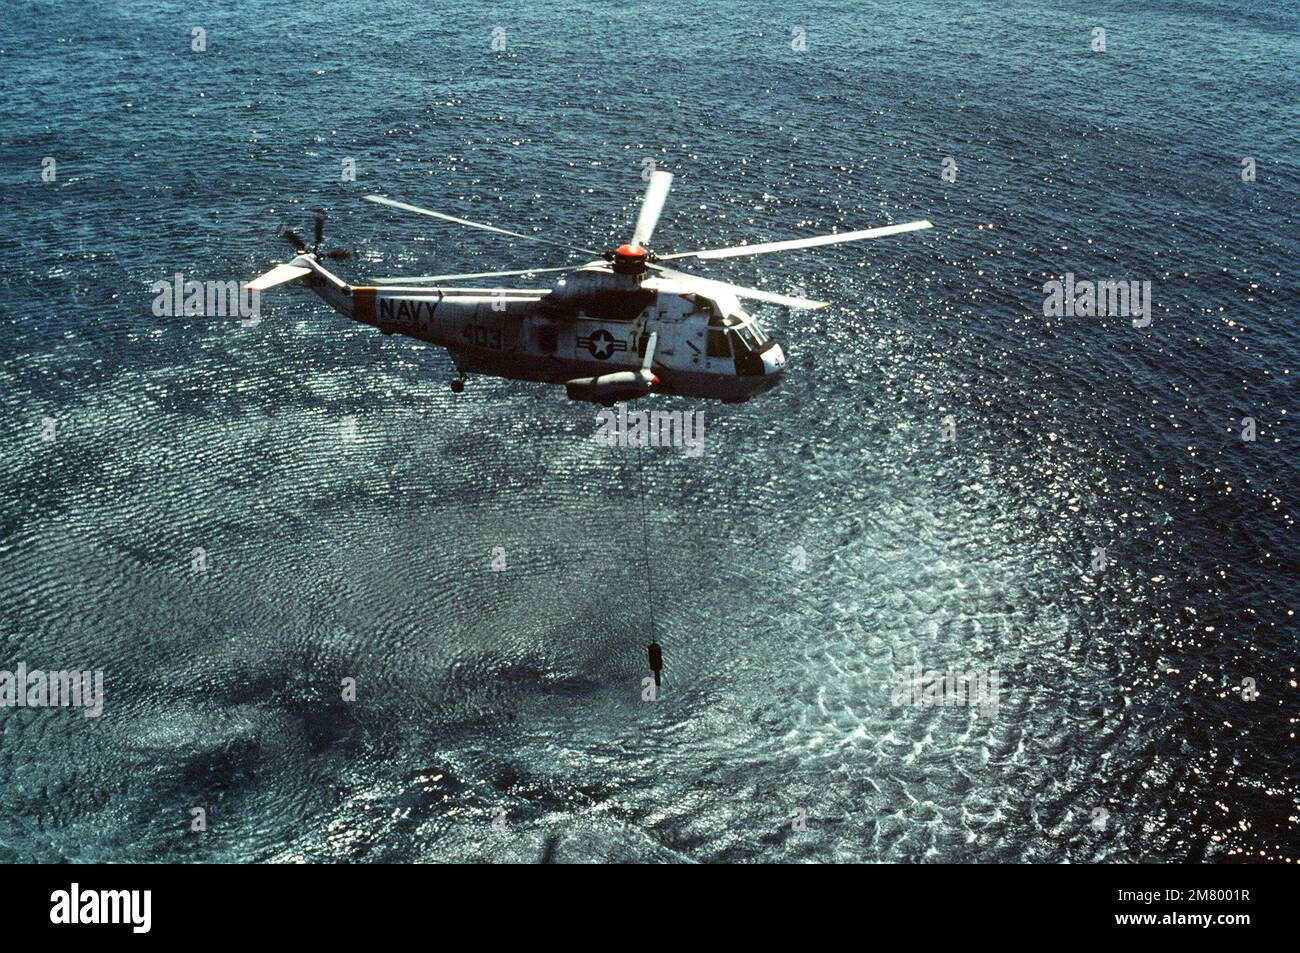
column 718, row 344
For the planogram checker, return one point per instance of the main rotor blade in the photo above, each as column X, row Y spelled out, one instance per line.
column 656, row 193
column 833, row 239
column 393, row 203
column 427, row 279
column 740, row 291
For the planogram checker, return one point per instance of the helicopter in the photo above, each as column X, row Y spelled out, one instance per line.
column 621, row 327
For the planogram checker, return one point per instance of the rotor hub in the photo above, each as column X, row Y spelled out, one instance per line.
column 630, row 260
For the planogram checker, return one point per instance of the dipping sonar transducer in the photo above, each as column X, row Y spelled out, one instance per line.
column 656, row 660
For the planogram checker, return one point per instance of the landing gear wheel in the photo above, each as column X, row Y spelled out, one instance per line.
column 457, row 385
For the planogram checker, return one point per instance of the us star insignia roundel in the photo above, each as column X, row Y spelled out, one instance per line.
column 601, row 344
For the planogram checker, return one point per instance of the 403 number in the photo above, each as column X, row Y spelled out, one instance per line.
column 481, row 336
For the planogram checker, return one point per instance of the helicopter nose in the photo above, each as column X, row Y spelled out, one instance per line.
column 773, row 360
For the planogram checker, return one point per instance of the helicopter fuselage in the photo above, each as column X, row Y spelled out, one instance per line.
column 591, row 325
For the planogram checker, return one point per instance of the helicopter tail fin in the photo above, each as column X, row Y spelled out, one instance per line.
column 356, row 303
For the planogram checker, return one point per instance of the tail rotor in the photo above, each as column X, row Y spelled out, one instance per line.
column 305, row 262
column 318, row 234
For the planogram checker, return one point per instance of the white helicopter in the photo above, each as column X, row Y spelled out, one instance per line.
column 620, row 327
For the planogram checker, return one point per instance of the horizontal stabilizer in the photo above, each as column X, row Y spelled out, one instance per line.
column 277, row 276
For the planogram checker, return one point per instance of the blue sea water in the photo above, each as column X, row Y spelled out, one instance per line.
column 1122, row 732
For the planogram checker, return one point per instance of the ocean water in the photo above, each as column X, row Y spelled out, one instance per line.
column 827, row 538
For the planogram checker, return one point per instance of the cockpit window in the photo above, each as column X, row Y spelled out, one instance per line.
column 735, row 329
column 750, row 337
